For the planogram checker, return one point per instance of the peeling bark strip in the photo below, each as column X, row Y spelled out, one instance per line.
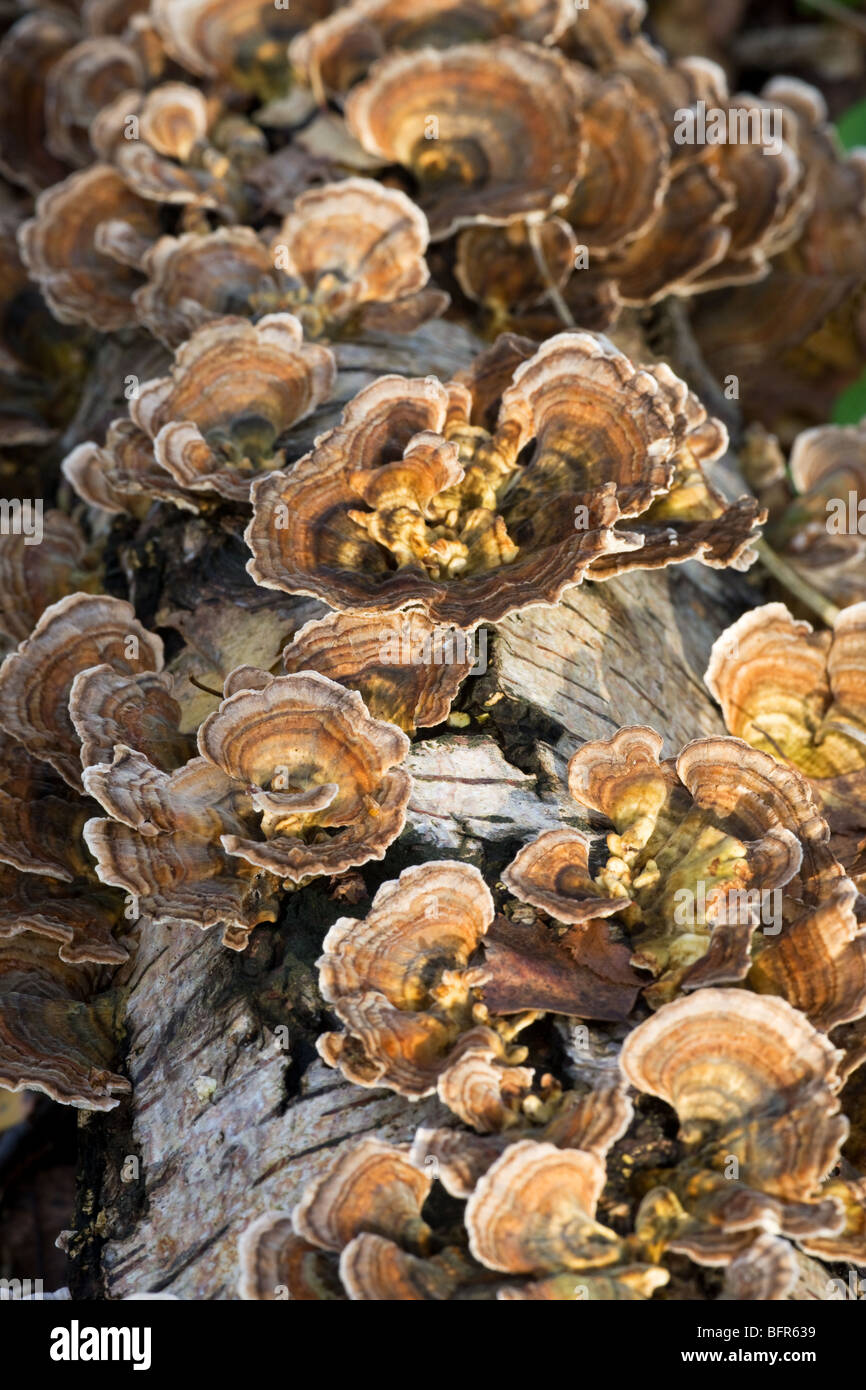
column 228, row 1121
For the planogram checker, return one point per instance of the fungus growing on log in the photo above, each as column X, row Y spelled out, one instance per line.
column 56, row 1034
column 83, row 244
column 506, row 142
column 428, row 495
column 187, row 150
column 73, row 635
column 750, row 1080
column 532, row 1213
column 699, row 845
column 407, row 669
column 401, row 984
column 339, row 342
column 235, row 388
column 801, row 696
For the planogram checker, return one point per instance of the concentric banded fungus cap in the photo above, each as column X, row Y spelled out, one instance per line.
column 400, row 980
column 818, row 960
column 79, row 918
column 592, row 1121
column 829, row 454
column 815, row 531
column 338, row 51
column 122, row 475
column 407, row 669
column 801, row 695
column 683, row 241
column 79, row 244
column 774, row 195
column 55, row 1032
column 795, row 339
column 78, row 632
column 609, row 33
column 495, row 266
column 172, row 125
column 48, row 884
column 552, row 873
column 32, row 577
column 162, row 844
column 40, row 817
column 766, row 1272
column 188, row 151
column 372, row 1188
column 243, row 41
column 626, row 169
column 354, row 251
column 482, row 1086
column 850, row 1243
column 749, row 1078
column 533, row 1212
column 108, row 708
column 85, row 79
column 275, row 1263
column 195, row 278
column 355, row 1230
column 470, row 524
column 764, row 189
column 235, row 389
column 504, row 141
column 29, row 50
column 324, row 775
column 367, row 1207
column 373, row 1269
column 691, row 520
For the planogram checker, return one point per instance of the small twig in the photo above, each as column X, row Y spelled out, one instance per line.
column 690, row 364
column 795, row 584
column 533, row 230
column 199, row 685
column 834, row 10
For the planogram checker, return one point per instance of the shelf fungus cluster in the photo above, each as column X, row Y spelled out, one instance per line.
column 722, row 1059
column 407, row 669
column 799, row 694
column 348, row 258
column 529, row 1232
column 719, row 866
column 293, row 779
column 215, row 422
column 339, row 342
column 431, row 991
column 816, row 506
column 86, row 665
column 534, row 469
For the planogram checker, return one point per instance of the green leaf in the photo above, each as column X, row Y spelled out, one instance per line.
column 852, row 126
column 850, row 406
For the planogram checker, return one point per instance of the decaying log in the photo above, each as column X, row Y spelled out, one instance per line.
column 232, row 1111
